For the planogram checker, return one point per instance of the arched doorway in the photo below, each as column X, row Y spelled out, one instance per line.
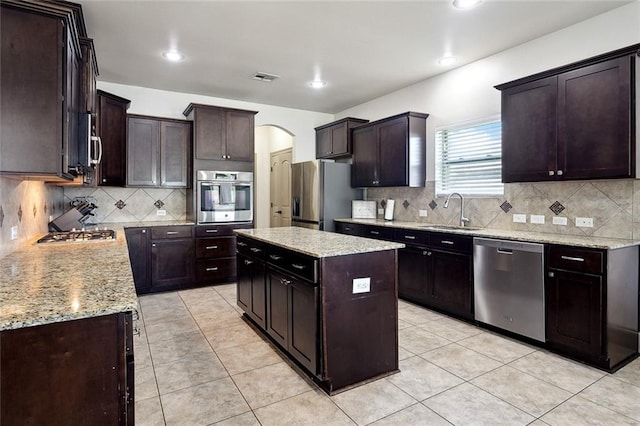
column 272, row 145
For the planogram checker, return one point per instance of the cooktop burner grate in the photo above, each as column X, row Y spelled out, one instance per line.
column 72, row 236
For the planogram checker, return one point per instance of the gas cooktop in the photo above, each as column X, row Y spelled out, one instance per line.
column 82, row 235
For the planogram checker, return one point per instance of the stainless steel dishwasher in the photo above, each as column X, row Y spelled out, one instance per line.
column 509, row 286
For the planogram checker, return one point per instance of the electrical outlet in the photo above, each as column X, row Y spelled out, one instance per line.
column 422, row 213
column 361, row 285
column 380, row 211
column 559, row 220
column 520, row 218
column 584, row 222
column 537, row 219
column 14, row 232
column 161, row 212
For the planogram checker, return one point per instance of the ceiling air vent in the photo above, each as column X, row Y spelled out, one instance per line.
column 265, row 76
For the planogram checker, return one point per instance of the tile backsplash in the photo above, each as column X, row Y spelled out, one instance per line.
column 131, row 204
column 614, row 206
column 26, row 205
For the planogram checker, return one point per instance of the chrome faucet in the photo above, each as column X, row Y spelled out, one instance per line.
column 463, row 219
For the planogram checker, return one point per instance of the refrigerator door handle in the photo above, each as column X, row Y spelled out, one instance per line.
column 295, row 207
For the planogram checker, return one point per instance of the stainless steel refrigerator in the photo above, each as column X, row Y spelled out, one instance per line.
column 321, row 192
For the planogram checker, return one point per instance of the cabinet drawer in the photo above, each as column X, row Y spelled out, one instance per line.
column 377, row 232
column 349, row 228
column 295, row 263
column 451, row 242
column 219, row 230
column 215, row 270
column 215, row 247
column 411, row 236
column 575, row 259
column 170, row 232
column 250, row 247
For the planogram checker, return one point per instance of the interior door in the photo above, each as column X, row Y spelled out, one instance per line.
column 280, row 185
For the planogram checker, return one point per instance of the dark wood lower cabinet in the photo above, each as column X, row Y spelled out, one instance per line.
column 575, row 312
column 413, row 273
column 139, row 256
column 72, row 372
column 172, row 263
column 451, row 284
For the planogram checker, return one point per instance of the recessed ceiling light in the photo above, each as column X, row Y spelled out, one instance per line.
column 446, row 61
column 466, row 4
column 317, row 84
column 173, row 56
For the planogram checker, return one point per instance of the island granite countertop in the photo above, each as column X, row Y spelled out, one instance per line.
column 317, row 243
column 533, row 237
column 48, row 283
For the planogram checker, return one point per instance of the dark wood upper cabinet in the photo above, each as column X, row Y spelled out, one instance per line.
column 390, row 152
column 111, row 127
column 158, row 152
column 573, row 122
column 39, row 96
column 89, row 73
column 222, row 133
column 333, row 140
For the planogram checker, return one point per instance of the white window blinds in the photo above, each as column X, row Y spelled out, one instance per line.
column 469, row 159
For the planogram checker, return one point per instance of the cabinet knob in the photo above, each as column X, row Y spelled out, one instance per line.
column 153, row 245
column 144, row 231
column 560, row 172
column 104, row 180
column 551, row 173
column 551, row 274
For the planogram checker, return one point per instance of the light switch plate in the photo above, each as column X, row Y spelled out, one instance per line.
column 520, row 218
column 361, row 285
column 537, row 219
column 559, row 220
column 422, row 213
column 584, row 222
column 14, row 232
column 161, row 212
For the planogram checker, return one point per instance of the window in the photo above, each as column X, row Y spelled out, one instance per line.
column 469, row 159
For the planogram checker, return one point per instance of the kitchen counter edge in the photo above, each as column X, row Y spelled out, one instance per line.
column 525, row 236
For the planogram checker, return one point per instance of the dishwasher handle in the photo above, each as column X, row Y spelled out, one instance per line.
column 504, row 251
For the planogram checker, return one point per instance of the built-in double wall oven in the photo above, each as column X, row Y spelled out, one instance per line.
column 224, row 196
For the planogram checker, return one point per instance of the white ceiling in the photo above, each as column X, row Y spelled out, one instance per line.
column 363, row 49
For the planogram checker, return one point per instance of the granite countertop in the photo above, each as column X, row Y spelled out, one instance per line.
column 533, row 237
column 47, row 283
column 317, row 243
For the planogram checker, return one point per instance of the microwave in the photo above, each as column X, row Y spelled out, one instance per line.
column 224, row 196
column 89, row 153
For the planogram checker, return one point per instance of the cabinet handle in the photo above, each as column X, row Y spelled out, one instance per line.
column 560, row 172
column 346, row 228
column 551, row 173
column 212, row 269
column 426, row 253
column 248, row 262
column 211, row 231
column 275, row 257
column 172, row 232
column 256, row 250
column 504, row 251
column 241, row 244
column 375, row 232
column 285, row 281
column 575, row 259
column 447, row 242
column 211, row 247
column 410, row 237
column 300, row 267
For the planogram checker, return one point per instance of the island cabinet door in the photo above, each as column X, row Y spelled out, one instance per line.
column 303, row 332
column 251, row 289
column 278, row 307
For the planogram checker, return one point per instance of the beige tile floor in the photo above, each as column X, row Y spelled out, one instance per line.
column 199, row 363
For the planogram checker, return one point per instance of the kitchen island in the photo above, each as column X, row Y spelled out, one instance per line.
column 329, row 301
column 66, row 330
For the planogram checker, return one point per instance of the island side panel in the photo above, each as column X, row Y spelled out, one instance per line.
column 360, row 331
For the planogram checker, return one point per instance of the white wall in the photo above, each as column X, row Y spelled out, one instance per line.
column 467, row 93
column 163, row 103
